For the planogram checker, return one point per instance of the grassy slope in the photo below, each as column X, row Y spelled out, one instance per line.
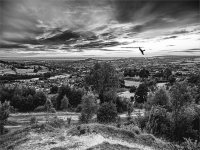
column 85, row 136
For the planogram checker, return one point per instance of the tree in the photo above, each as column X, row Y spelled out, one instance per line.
column 171, row 79
column 75, row 97
column 143, row 73
column 107, row 113
column 15, row 101
column 141, row 93
column 54, row 89
column 89, row 108
column 180, row 98
column 64, row 103
column 161, row 97
column 102, row 77
column 39, row 99
column 167, row 72
column 132, row 89
column 108, row 96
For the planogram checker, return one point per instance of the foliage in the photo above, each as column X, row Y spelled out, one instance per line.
column 102, row 76
column 141, row 93
column 40, row 109
column 4, row 114
column 74, row 96
column 158, row 122
column 64, row 103
column 56, row 122
column 143, row 73
column 129, row 108
column 132, row 89
column 89, row 108
column 167, row 72
column 108, row 96
column 121, row 104
column 39, row 99
column 194, row 79
column 160, row 97
column 54, row 89
column 171, row 116
column 48, row 105
column 33, row 120
column 180, row 97
column 189, row 144
column 107, row 113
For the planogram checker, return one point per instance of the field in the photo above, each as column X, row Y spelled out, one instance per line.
column 126, row 94
column 131, row 83
column 6, row 71
column 24, row 71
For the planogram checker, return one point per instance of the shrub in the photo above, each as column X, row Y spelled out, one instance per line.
column 132, row 89
column 64, row 103
column 4, row 114
column 56, row 122
column 141, row 93
column 190, row 145
column 158, row 122
column 33, row 120
column 89, row 108
column 161, row 97
column 53, row 110
column 107, row 113
column 121, row 104
column 129, row 109
column 108, row 96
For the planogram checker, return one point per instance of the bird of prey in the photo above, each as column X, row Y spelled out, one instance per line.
column 142, row 51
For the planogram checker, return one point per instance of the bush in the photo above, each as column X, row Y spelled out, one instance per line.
column 107, row 113
column 89, row 108
column 158, row 122
column 4, row 114
column 56, row 122
column 64, row 103
column 132, row 89
column 33, row 120
column 141, row 93
column 53, row 110
column 161, row 97
column 121, row 104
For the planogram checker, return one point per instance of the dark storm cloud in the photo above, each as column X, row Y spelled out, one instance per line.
column 98, row 44
column 170, row 37
column 180, row 32
column 132, row 10
column 12, row 46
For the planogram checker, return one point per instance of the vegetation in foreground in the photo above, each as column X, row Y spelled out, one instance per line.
column 171, row 114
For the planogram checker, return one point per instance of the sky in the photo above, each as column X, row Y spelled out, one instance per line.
column 99, row 28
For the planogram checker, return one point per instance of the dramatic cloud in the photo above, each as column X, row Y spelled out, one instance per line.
column 95, row 26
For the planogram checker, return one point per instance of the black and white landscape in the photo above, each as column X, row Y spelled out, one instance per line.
column 99, row 74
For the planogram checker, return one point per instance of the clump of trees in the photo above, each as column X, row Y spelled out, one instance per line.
column 22, row 98
column 172, row 114
column 104, row 80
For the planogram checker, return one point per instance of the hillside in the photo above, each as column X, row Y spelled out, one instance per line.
column 79, row 137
